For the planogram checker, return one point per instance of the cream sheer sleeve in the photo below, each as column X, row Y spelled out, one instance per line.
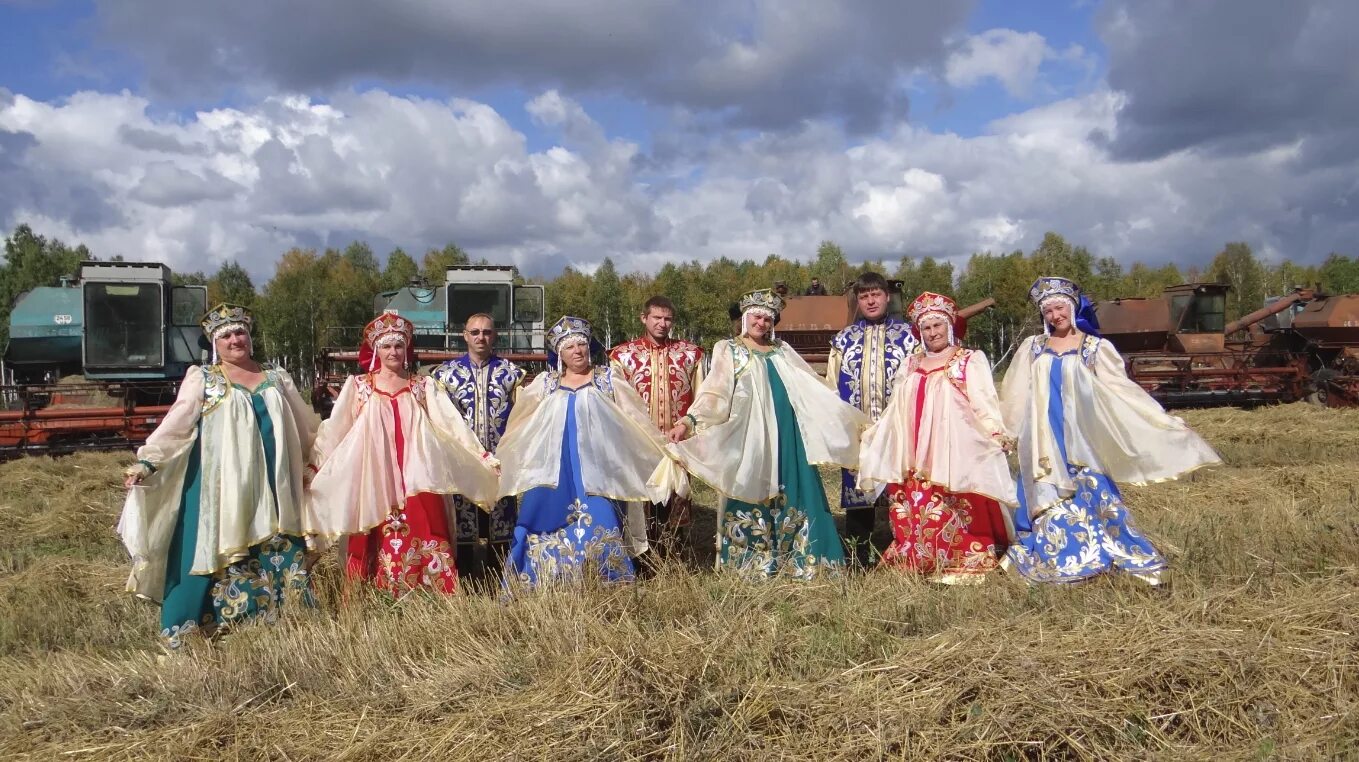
column 981, row 395
column 308, row 422
column 698, row 372
column 179, row 427
column 334, row 428
column 712, row 403
column 527, row 398
column 448, row 422
column 1016, row 387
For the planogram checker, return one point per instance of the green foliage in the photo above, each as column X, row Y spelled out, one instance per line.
column 316, row 299
column 1237, row 266
column 1340, row 274
column 925, row 275
column 606, row 302
column 292, row 310
column 399, row 270
column 232, row 283
column 437, row 261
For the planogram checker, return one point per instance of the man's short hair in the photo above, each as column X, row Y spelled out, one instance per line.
column 658, row 302
column 481, row 315
column 869, row 281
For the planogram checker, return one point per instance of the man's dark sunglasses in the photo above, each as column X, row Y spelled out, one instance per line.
column 479, row 331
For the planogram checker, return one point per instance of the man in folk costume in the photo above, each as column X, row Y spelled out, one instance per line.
column 864, row 359
column 482, row 385
column 665, row 371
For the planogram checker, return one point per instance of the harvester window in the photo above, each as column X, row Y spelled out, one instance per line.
column 123, row 325
column 188, row 303
column 1199, row 312
column 528, row 304
column 465, row 300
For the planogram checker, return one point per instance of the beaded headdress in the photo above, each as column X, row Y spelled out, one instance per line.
column 1050, row 286
column 225, row 316
column 1082, row 310
column 563, row 332
column 382, row 330
column 766, row 300
column 930, row 303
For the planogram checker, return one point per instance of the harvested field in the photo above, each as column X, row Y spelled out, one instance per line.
column 1250, row 651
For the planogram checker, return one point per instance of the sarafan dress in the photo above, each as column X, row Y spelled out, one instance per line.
column 384, row 461
column 1084, row 427
column 938, row 449
column 215, row 533
column 764, row 422
column 584, row 461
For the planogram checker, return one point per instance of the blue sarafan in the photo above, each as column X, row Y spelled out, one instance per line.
column 120, row 321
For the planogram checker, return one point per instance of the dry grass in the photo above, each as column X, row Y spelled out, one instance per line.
column 1250, row 652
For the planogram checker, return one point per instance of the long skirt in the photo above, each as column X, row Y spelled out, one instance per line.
column 256, row 585
column 954, row 538
column 412, row 548
column 408, row 551
column 792, row 535
column 1084, row 534
column 564, row 534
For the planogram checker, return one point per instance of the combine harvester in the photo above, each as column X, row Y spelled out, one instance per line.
column 1181, row 349
column 809, row 323
column 95, row 364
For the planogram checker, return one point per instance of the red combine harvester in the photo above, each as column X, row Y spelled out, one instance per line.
column 1181, row 349
column 809, row 323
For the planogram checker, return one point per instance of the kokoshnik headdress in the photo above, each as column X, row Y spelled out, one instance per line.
column 930, row 303
column 568, row 330
column 387, row 328
column 1053, row 287
column 225, row 318
column 766, row 301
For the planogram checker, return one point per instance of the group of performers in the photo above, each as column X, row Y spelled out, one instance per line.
column 584, row 470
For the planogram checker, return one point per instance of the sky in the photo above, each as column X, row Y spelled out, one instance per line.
column 544, row 134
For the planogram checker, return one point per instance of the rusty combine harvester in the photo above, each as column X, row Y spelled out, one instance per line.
column 1182, row 350
column 809, row 323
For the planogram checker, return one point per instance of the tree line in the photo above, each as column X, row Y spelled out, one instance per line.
column 312, row 292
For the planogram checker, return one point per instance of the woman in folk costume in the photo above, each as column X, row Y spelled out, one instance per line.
column 213, row 518
column 578, row 445
column 1082, row 426
column 939, row 446
column 762, row 422
column 393, row 445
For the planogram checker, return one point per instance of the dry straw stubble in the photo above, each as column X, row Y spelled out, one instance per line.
column 1250, row 651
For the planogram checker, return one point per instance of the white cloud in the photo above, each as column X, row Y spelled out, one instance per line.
column 1012, row 58
column 247, row 183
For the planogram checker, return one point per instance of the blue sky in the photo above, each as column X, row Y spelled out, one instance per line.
column 544, row 133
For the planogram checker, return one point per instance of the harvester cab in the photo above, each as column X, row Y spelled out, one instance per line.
column 138, row 324
column 519, row 311
column 1198, row 314
column 439, row 314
